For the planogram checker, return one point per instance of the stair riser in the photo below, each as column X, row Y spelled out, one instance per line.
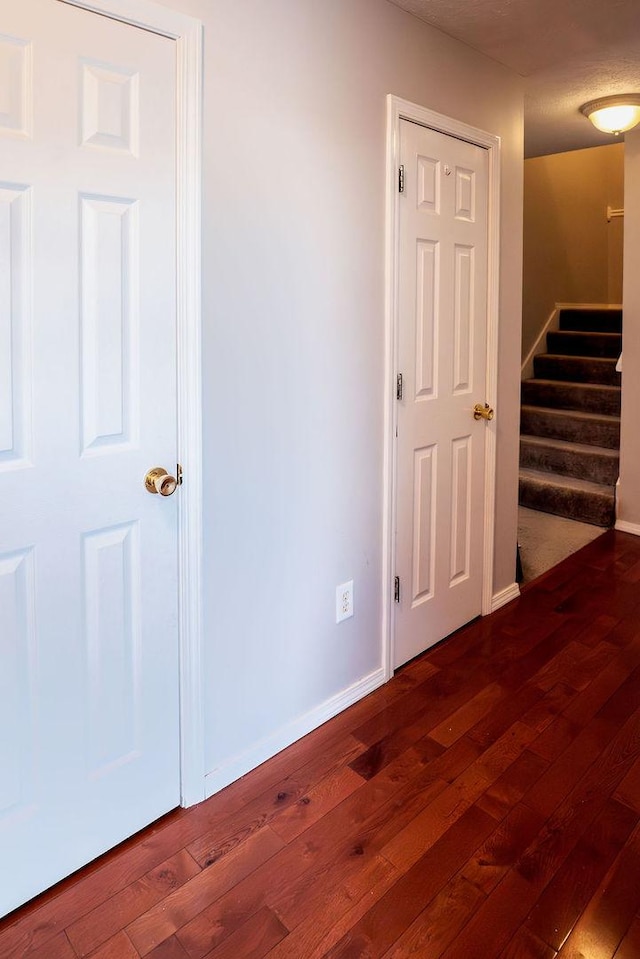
column 597, row 321
column 572, row 397
column 584, row 344
column 582, row 506
column 576, row 370
column 566, row 427
column 599, row 468
column 559, row 477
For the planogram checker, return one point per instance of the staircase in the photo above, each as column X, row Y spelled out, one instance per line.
column 570, row 419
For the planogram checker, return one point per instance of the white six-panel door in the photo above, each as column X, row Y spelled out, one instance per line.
column 442, row 355
column 89, row 744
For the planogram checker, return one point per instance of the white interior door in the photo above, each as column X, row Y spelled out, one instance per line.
column 89, row 745
column 442, row 355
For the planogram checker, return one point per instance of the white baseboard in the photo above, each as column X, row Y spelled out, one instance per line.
column 237, row 766
column 624, row 527
column 526, row 370
column 504, row 596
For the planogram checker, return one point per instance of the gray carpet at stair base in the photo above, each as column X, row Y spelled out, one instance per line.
column 545, row 540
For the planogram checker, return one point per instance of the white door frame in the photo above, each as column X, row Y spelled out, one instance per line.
column 397, row 110
column 188, row 36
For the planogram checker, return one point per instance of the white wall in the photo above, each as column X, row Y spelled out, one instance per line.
column 294, row 159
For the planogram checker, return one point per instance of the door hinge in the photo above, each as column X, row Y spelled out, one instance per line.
column 399, row 386
column 401, row 178
column 396, row 590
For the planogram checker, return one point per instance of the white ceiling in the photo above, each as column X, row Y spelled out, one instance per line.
column 569, row 51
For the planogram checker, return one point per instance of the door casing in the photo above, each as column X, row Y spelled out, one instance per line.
column 397, row 110
column 187, row 33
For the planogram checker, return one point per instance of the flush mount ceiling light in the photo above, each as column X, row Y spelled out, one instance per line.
column 614, row 114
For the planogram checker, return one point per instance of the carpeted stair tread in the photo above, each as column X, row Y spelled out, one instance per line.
column 574, row 483
column 578, row 447
column 567, row 496
column 574, row 369
column 600, row 464
column 570, row 419
column 590, row 397
column 582, row 343
column 575, row 426
column 598, row 321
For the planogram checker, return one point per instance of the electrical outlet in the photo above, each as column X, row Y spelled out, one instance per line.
column 344, row 601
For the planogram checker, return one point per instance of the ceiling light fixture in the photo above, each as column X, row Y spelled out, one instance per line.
column 615, row 114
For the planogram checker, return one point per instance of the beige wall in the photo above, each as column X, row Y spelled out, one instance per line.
column 629, row 490
column 294, row 342
column 571, row 253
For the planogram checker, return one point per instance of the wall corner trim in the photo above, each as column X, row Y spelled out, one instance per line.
column 504, row 596
column 624, row 527
column 235, row 767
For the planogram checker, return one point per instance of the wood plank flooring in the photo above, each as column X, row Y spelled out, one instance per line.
column 484, row 804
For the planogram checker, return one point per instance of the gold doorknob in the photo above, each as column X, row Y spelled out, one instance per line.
column 481, row 412
column 158, row 480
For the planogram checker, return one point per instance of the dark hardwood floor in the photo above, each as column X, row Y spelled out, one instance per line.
column 483, row 804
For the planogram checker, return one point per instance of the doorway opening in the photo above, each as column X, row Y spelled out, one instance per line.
column 572, row 345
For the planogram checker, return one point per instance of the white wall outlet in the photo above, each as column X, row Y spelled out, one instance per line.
column 344, row 601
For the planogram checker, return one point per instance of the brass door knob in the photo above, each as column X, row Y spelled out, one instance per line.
column 158, row 480
column 481, row 412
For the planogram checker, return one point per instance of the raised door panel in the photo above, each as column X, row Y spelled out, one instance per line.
column 18, row 655
column 428, row 184
column 463, row 317
column 109, row 258
column 460, row 523
column 15, row 324
column 424, row 523
column 112, row 635
column 110, row 107
column 465, row 199
column 16, row 86
column 427, row 318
